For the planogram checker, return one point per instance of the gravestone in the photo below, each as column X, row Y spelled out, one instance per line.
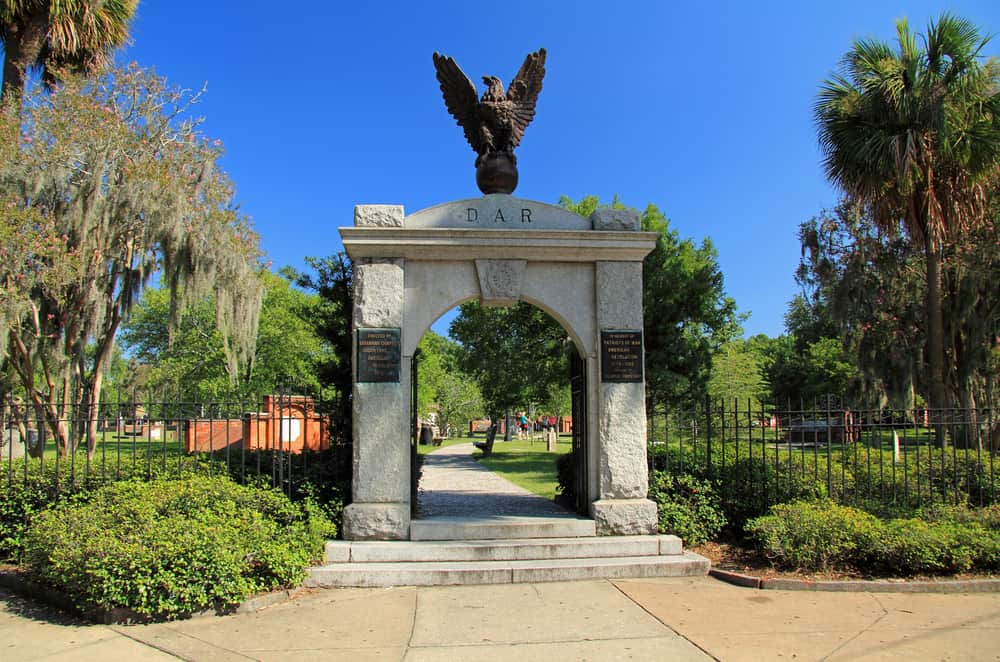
column 11, row 445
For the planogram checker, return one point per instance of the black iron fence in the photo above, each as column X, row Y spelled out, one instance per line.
column 757, row 456
column 273, row 439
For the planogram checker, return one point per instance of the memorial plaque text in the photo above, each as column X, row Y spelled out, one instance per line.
column 621, row 356
column 378, row 355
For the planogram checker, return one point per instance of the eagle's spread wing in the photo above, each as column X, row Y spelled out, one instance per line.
column 460, row 98
column 523, row 92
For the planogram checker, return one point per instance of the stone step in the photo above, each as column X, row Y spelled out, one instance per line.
column 501, row 527
column 348, row 551
column 448, row 573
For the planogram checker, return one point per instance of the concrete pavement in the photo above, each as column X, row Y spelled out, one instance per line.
column 642, row 619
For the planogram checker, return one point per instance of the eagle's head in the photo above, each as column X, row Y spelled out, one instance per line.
column 494, row 89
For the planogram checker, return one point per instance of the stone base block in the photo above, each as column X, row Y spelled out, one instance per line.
column 377, row 521
column 624, row 517
column 669, row 545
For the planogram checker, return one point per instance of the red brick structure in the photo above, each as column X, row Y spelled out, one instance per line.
column 287, row 423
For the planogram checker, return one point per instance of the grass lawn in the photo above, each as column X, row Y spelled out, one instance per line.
column 527, row 464
column 112, row 445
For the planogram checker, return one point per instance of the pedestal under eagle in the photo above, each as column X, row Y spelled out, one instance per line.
column 494, row 124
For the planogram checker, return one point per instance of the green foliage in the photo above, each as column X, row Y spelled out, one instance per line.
column 443, row 387
column 687, row 507
column 189, row 360
column 823, row 535
column 132, row 188
column 928, row 476
column 749, row 486
column 816, row 535
column 515, row 354
column 27, row 491
column 737, row 374
column 802, row 370
column 911, row 135
column 688, row 316
column 319, row 478
column 331, row 321
column 78, row 36
column 169, row 548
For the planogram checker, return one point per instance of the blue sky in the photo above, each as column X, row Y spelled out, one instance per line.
column 704, row 110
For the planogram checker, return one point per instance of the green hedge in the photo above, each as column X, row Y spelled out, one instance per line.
column 323, row 478
column 27, row 491
column 822, row 535
column 816, row 535
column 687, row 507
column 750, row 479
column 168, row 548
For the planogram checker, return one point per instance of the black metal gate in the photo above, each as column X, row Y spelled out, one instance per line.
column 578, row 389
column 414, row 433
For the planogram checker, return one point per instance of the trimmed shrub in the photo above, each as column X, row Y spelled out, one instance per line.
column 687, row 507
column 817, row 535
column 25, row 492
column 946, row 545
column 168, row 548
column 822, row 536
column 323, row 477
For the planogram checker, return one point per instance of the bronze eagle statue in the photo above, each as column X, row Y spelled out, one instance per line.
column 494, row 125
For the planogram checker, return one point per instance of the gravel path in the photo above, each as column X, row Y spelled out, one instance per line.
column 452, row 484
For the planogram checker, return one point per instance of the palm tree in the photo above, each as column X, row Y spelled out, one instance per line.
column 57, row 36
column 913, row 135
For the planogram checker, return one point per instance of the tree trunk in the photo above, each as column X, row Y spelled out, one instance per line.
column 93, row 397
column 22, row 46
column 93, row 403
column 935, row 341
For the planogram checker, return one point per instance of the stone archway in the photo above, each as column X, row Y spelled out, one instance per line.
column 585, row 273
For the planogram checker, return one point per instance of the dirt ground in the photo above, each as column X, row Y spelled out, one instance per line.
column 733, row 557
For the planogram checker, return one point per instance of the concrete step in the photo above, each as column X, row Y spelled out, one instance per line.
column 501, row 527
column 517, row 549
column 445, row 573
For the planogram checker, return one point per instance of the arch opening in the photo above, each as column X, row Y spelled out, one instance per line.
column 514, row 364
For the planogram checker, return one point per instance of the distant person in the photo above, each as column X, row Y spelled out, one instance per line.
column 522, row 425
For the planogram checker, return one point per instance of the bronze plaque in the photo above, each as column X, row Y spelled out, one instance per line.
column 621, row 356
column 378, row 355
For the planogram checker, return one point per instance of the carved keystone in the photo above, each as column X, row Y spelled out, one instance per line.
column 500, row 281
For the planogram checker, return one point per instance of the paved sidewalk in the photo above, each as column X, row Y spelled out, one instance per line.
column 640, row 619
column 452, row 484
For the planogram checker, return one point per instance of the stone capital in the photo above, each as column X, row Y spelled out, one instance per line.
column 616, row 220
column 378, row 216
